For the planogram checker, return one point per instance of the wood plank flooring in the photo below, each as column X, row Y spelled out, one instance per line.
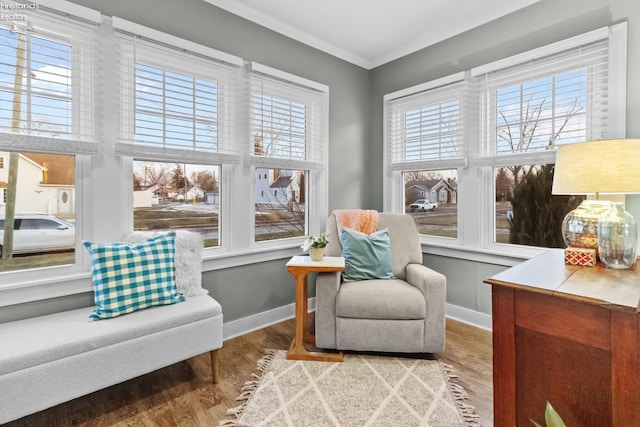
column 184, row 395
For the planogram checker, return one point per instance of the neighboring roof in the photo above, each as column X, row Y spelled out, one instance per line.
column 60, row 169
column 281, row 182
column 425, row 184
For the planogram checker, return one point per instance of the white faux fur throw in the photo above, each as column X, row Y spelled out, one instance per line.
column 188, row 259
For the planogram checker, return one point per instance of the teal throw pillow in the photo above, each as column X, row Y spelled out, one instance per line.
column 130, row 277
column 366, row 256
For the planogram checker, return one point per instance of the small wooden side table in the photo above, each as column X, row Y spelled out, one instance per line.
column 300, row 267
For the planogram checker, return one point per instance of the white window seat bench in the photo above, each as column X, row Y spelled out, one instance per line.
column 48, row 360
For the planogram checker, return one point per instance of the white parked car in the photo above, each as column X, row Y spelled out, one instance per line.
column 422, row 205
column 39, row 233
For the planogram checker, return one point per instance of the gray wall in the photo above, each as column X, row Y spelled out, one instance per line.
column 537, row 25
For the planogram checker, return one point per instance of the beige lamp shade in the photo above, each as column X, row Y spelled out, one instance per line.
column 607, row 166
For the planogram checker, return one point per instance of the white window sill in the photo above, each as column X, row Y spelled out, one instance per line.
column 48, row 286
column 51, row 284
column 505, row 257
column 251, row 256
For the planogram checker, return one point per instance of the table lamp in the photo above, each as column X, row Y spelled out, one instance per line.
column 596, row 167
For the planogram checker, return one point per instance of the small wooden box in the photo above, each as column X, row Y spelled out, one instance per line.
column 580, row 256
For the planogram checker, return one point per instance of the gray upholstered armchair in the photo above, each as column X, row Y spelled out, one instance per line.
column 404, row 314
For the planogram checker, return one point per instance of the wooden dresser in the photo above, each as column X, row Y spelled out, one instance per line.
column 569, row 335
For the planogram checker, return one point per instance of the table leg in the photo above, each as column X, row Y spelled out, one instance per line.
column 297, row 350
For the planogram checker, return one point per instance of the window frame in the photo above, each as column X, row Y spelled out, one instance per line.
column 36, row 283
column 476, row 227
column 314, row 166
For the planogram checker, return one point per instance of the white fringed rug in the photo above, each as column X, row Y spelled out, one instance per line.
column 364, row 390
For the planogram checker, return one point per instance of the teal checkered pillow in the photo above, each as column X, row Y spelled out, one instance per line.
column 129, row 277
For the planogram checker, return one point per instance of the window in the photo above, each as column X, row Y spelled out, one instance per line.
column 46, row 125
column 432, row 198
column 177, row 122
column 288, row 128
column 425, row 130
column 493, row 131
column 531, row 108
column 177, row 196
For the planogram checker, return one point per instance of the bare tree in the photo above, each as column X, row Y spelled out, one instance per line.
column 137, row 184
column 520, row 136
column 504, row 184
column 152, row 173
column 414, row 176
column 206, row 180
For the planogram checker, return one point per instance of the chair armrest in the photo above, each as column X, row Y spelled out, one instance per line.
column 433, row 286
column 431, row 283
column 327, row 286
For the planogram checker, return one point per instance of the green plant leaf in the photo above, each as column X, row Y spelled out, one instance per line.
column 552, row 418
column 536, row 424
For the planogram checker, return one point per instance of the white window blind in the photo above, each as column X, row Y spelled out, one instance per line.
column 47, row 87
column 535, row 102
column 425, row 128
column 288, row 120
column 176, row 105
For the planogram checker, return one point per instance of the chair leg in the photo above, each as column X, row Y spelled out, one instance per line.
column 215, row 366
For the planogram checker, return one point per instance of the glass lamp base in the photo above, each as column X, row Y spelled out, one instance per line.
column 580, row 226
column 617, row 238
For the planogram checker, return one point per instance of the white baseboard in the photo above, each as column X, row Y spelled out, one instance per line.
column 471, row 317
column 242, row 326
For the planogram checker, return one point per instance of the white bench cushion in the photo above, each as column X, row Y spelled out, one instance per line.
column 31, row 342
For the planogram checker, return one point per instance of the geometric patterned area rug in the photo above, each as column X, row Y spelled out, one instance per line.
column 364, row 390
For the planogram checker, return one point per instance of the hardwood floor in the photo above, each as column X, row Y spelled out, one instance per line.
column 184, row 395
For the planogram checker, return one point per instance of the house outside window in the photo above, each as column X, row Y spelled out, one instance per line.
column 511, row 117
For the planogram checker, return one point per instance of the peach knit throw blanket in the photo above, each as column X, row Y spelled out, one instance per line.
column 365, row 221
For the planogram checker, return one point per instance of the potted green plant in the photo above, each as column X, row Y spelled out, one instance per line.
column 551, row 418
column 315, row 246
